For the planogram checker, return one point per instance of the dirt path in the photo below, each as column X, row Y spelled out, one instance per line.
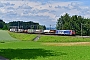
column 36, row 38
column 68, row 44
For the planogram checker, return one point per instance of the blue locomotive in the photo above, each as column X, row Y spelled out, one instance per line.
column 51, row 32
column 65, row 32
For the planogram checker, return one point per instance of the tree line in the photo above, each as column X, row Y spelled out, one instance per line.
column 78, row 23
column 20, row 25
column 3, row 25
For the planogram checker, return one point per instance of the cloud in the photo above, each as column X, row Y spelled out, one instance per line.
column 1, row 5
column 44, row 11
column 24, row 6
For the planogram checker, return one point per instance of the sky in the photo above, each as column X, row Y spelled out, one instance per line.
column 45, row 12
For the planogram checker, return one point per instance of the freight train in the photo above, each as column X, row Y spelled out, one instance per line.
column 48, row 32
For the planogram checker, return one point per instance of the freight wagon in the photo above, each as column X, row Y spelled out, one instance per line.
column 35, row 31
column 49, row 32
column 30, row 31
column 13, row 30
column 16, row 30
column 39, row 31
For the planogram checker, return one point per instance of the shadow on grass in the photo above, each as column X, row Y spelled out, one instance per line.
column 27, row 53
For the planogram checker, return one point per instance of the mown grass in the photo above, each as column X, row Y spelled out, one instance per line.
column 23, row 36
column 43, row 38
column 29, row 50
column 4, row 36
column 63, row 39
column 26, row 50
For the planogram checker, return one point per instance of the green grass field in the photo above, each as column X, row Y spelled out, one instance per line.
column 4, row 36
column 63, row 39
column 29, row 50
column 36, row 51
column 23, row 36
column 44, row 38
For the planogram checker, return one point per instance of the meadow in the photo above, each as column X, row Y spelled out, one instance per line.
column 60, row 39
column 22, row 36
column 21, row 49
column 4, row 36
column 48, row 38
column 25, row 50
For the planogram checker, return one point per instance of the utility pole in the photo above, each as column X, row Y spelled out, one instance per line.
column 81, row 29
column 18, row 25
column 50, row 27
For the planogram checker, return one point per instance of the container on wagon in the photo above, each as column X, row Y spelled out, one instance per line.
column 39, row 31
column 52, row 31
column 13, row 30
column 25, row 31
column 46, row 31
column 20, row 30
column 30, row 30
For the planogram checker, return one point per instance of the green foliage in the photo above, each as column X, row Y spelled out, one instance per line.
column 5, row 27
column 1, row 23
column 59, row 24
column 74, row 23
column 25, row 25
column 42, row 27
column 21, row 25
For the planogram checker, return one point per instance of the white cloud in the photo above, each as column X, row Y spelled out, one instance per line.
column 2, row 10
column 36, row 11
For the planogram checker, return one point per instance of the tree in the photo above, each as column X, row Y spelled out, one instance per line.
column 59, row 24
column 25, row 25
column 1, row 24
column 74, row 23
column 5, row 27
column 62, row 22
